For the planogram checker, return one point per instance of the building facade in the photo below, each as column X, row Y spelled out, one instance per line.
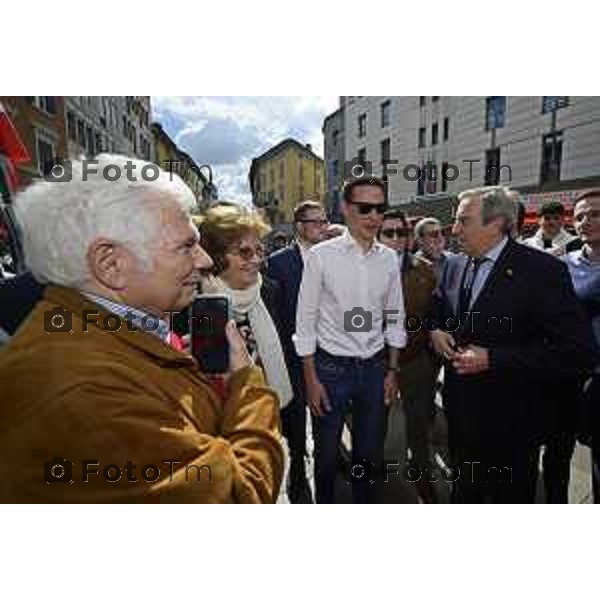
column 333, row 134
column 115, row 124
column 544, row 146
column 284, row 176
column 40, row 121
column 169, row 157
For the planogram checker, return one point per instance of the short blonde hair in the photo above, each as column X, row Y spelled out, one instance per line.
column 221, row 227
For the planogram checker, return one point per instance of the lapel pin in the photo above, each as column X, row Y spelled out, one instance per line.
column 509, row 272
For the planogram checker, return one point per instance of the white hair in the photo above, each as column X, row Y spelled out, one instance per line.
column 59, row 220
column 496, row 201
column 420, row 226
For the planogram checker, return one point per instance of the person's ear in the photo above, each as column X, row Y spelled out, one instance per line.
column 109, row 263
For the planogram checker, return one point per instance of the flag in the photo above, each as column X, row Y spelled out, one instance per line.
column 10, row 141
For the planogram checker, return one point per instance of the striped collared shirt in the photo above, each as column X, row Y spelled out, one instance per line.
column 136, row 318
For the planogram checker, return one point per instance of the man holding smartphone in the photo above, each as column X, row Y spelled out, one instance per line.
column 350, row 285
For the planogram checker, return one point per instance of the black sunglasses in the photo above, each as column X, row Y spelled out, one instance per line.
column 395, row 232
column 365, row 208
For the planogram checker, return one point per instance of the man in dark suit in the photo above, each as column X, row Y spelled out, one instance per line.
column 286, row 268
column 506, row 320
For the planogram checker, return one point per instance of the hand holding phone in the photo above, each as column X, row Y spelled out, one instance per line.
column 210, row 315
column 238, row 353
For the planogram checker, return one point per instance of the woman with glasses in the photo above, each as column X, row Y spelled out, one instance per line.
column 233, row 237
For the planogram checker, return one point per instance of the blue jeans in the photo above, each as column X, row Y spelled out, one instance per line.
column 356, row 385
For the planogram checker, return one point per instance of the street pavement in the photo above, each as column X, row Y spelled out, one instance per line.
column 397, row 490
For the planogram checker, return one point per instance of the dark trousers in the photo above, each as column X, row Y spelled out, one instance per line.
column 351, row 385
column 557, row 454
column 494, row 473
column 293, row 419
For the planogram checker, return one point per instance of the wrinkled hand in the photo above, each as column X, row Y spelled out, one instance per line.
column 317, row 399
column 471, row 361
column 238, row 353
column 390, row 386
column 443, row 344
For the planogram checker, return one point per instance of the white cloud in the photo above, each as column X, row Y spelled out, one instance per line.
column 228, row 131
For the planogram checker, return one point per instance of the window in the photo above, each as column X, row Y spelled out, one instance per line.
column 552, row 103
column 281, row 193
column 551, row 157
column 335, row 137
column 421, row 100
column 431, row 178
column 386, row 151
column 434, row 134
column 272, row 175
column 492, row 166
column 262, row 182
column 281, row 170
column 422, row 137
column 362, row 156
column 46, row 154
column 81, row 133
column 90, row 142
column 495, row 109
column 362, row 125
column 385, row 113
column 71, row 128
column 421, row 182
column 46, row 103
column 444, row 173
column 446, row 128
column 335, row 169
column 98, row 144
column 435, row 98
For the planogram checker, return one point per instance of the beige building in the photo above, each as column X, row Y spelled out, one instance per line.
column 283, row 177
column 544, row 146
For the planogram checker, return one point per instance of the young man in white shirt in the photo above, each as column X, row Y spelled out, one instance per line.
column 350, row 285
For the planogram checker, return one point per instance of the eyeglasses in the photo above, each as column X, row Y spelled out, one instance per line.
column 248, row 253
column 315, row 221
column 395, row 232
column 365, row 208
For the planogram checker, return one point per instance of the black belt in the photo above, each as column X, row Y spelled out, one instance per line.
column 352, row 361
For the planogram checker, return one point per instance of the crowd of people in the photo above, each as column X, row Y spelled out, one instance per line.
column 356, row 325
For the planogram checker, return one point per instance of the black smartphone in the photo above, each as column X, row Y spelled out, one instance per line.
column 209, row 316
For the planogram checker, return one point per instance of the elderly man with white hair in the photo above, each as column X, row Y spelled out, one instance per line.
column 117, row 411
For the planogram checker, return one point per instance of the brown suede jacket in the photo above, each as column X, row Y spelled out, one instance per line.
column 418, row 284
column 126, row 403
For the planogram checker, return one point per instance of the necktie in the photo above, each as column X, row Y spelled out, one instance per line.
column 466, row 292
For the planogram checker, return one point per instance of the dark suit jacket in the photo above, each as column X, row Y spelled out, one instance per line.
column 18, row 298
column 544, row 341
column 286, row 268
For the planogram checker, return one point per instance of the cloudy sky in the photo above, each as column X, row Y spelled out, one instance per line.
column 226, row 132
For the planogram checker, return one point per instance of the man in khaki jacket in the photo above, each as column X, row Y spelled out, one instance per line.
column 95, row 405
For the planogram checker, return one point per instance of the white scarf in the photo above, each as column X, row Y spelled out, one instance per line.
column 249, row 302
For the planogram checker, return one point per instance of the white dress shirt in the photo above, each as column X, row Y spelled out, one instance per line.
column 338, row 277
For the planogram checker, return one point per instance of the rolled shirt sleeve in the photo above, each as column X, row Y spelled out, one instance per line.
column 305, row 338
